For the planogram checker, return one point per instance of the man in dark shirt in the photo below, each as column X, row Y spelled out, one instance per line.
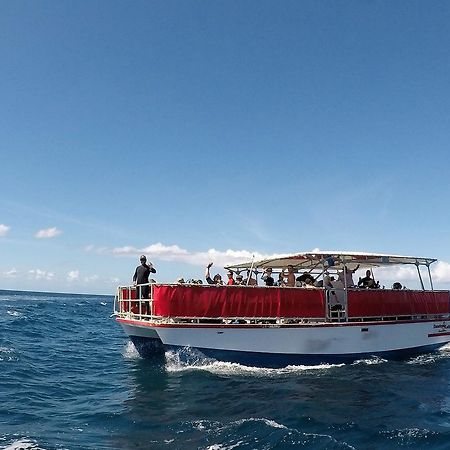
column 367, row 281
column 141, row 275
column 267, row 277
column 217, row 278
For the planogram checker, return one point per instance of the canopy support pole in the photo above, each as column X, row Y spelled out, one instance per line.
column 420, row 276
column 431, row 279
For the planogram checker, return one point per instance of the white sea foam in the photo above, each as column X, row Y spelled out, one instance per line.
column 371, row 361
column 269, row 422
column 190, row 359
column 14, row 313
column 429, row 358
column 408, row 434
column 23, row 444
column 7, row 354
column 298, row 437
column 129, row 351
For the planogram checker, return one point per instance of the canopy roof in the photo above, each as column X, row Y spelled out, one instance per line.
column 333, row 260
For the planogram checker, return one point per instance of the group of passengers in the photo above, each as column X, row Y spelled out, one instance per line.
column 287, row 278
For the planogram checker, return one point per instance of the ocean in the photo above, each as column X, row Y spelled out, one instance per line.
column 71, row 379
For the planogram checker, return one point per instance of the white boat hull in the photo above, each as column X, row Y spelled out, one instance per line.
column 275, row 346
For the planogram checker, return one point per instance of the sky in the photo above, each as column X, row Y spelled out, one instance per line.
column 197, row 131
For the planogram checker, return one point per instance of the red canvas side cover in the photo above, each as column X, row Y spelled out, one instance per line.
column 234, row 301
column 366, row 303
column 128, row 293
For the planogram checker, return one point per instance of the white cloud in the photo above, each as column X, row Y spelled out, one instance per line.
column 91, row 279
column 38, row 274
column 441, row 272
column 178, row 254
column 88, row 248
column 73, row 275
column 4, row 229
column 48, row 233
column 10, row 273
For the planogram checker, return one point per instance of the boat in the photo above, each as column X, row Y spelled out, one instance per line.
column 276, row 326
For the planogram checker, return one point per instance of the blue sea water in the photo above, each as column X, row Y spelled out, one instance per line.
column 70, row 379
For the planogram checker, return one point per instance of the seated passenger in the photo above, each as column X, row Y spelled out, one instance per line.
column 280, row 281
column 290, row 276
column 305, row 276
column 217, row 278
column 239, row 280
column 367, row 282
column 309, row 284
column 267, row 277
column 230, row 281
column 397, row 285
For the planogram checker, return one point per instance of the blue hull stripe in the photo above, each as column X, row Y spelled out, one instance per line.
column 149, row 348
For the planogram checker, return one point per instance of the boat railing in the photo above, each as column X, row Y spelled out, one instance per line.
column 342, row 305
column 129, row 301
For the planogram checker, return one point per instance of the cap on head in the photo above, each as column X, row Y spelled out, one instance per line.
column 143, row 258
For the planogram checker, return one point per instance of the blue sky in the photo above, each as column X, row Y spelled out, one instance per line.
column 197, row 130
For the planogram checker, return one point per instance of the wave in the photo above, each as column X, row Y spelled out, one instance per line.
column 261, row 432
column 370, row 361
column 14, row 313
column 8, row 354
column 189, row 359
column 23, row 444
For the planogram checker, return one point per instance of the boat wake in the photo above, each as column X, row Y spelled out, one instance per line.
column 129, row 351
column 370, row 361
column 188, row 359
column 430, row 358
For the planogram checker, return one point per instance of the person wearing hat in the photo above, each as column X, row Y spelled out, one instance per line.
column 141, row 275
column 267, row 277
column 217, row 279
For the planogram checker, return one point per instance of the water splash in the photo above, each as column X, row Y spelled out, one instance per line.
column 430, row 358
column 129, row 351
column 23, row 444
column 371, row 361
column 188, row 359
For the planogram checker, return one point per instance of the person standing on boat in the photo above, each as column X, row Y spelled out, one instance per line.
column 290, row 276
column 217, row 278
column 141, row 275
column 346, row 276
